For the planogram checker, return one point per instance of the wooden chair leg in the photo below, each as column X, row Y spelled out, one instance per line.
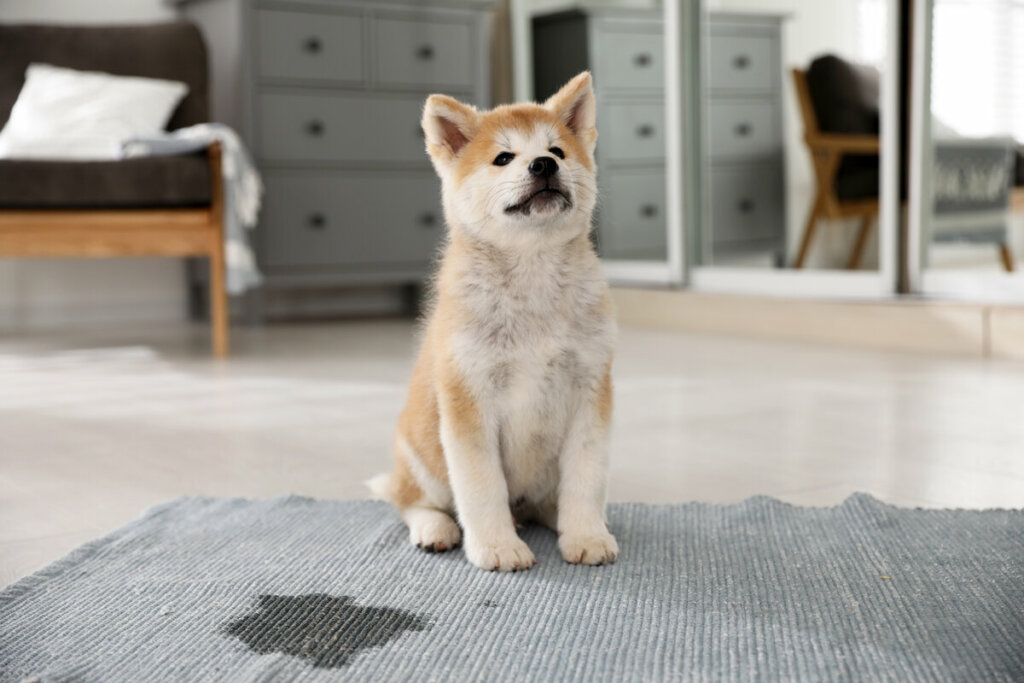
column 809, row 228
column 1007, row 257
column 218, row 301
column 861, row 240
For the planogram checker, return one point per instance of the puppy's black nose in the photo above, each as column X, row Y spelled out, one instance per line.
column 543, row 167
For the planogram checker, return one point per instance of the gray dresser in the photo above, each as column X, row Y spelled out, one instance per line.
column 328, row 94
column 624, row 51
column 744, row 175
column 745, row 166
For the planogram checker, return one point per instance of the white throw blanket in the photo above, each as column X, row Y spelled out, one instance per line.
column 243, row 190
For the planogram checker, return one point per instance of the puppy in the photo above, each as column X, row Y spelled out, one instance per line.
column 510, row 400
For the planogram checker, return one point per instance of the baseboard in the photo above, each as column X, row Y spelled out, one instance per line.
column 47, row 316
column 1006, row 332
column 329, row 303
column 926, row 327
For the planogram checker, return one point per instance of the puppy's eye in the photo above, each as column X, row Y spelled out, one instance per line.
column 557, row 151
column 504, row 159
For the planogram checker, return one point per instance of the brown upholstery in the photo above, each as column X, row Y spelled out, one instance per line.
column 846, row 100
column 171, row 50
column 845, row 96
column 146, row 182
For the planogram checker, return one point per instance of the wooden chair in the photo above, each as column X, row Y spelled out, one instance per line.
column 148, row 206
column 827, row 152
column 102, row 233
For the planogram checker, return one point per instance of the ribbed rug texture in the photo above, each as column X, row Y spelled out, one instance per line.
column 296, row 589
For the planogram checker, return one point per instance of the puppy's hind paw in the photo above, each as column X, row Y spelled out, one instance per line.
column 591, row 549
column 433, row 531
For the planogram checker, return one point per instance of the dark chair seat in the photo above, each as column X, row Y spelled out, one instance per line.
column 858, row 177
column 145, row 182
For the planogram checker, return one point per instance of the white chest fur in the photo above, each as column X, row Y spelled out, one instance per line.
column 536, row 338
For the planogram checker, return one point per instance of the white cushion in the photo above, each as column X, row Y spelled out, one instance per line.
column 67, row 114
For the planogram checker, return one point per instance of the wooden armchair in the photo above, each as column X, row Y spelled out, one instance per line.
column 102, row 233
column 846, row 187
column 150, row 206
column 827, row 152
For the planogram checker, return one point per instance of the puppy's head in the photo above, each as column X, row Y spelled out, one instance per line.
column 517, row 172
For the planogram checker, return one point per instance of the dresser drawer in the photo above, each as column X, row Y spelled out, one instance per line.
column 746, row 202
column 314, row 47
column 359, row 128
column 631, row 131
column 424, row 53
column 337, row 220
column 742, row 62
column 743, row 129
column 631, row 219
column 629, row 58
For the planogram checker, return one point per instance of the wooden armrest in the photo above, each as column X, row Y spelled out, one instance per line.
column 842, row 142
column 213, row 151
column 214, row 154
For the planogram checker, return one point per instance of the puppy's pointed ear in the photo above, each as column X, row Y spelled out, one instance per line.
column 448, row 126
column 574, row 104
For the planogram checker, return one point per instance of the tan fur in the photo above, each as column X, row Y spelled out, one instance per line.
column 605, row 399
column 511, row 396
column 405, row 491
column 522, row 117
column 418, row 425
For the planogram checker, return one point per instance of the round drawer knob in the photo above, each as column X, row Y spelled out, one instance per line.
column 317, row 221
column 312, row 45
column 315, row 128
column 645, row 131
column 743, row 130
column 425, row 52
column 746, row 205
column 741, row 61
column 643, row 59
column 428, row 219
column 648, row 210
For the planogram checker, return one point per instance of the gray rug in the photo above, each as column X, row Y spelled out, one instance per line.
column 295, row 589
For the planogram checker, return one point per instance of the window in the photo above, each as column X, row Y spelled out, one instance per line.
column 978, row 66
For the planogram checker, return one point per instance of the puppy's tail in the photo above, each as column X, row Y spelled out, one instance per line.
column 380, row 487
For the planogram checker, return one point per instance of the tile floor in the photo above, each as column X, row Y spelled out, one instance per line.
column 97, row 425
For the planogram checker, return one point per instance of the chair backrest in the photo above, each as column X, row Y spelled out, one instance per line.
column 844, row 95
column 803, row 97
column 171, row 50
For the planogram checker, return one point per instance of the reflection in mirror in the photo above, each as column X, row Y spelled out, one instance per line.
column 621, row 43
column 791, row 98
column 977, row 125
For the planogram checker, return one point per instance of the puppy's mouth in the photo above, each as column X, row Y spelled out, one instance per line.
column 541, row 198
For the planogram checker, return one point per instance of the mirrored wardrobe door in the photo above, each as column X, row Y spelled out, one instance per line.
column 791, row 106
column 970, row 144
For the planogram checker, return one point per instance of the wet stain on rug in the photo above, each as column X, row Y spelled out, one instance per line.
column 325, row 630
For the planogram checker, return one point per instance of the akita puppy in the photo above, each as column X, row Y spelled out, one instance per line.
column 510, row 400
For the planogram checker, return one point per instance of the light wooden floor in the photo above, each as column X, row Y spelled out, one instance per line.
column 97, row 426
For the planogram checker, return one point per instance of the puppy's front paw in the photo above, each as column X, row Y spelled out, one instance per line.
column 511, row 556
column 593, row 549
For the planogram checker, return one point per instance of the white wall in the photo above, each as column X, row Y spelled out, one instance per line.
column 55, row 292
column 84, row 11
